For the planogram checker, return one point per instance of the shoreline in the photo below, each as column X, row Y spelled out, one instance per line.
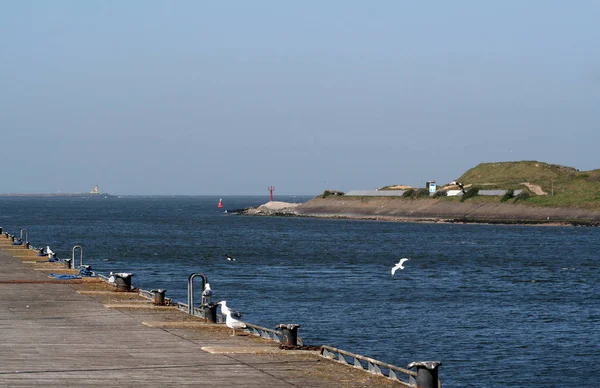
column 428, row 211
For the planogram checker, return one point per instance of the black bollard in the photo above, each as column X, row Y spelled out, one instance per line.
column 427, row 373
column 289, row 334
column 67, row 263
column 209, row 312
column 41, row 252
column 123, row 281
column 0, row 230
column 26, row 244
column 159, row 297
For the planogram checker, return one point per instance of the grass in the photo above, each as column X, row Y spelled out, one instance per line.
column 565, row 186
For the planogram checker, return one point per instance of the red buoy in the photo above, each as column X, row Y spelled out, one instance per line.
column 220, row 205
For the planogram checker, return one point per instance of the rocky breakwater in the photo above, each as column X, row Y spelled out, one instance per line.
column 274, row 208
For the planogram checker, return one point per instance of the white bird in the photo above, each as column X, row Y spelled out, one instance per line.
column 49, row 251
column 229, row 258
column 206, row 294
column 400, row 265
column 224, row 308
column 231, row 317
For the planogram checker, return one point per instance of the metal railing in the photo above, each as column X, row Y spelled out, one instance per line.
column 267, row 333
column 80, row 256
column 372, row 365
column 190, row 300
column 146, row 294
column 195, row 311
column 26, row 235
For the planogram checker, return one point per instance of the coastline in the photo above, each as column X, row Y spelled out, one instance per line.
column 429, row 211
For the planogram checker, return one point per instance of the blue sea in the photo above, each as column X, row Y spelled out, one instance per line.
column 499, row 306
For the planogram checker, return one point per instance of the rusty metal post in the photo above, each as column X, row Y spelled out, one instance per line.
column 289, row 334
column 159, row 297
column 427, row 373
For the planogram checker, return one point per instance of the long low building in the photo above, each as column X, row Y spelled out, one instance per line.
column 375, row 193
column 399, row 193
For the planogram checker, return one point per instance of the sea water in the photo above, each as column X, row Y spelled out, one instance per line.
column 499, row 306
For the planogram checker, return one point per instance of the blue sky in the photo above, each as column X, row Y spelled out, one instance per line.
column 199, row 97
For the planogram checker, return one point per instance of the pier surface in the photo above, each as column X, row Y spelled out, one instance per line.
column 82, row 333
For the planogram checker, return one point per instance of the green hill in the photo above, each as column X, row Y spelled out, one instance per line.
column 561, row 186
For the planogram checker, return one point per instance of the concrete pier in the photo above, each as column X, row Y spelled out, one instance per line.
column 81, row 333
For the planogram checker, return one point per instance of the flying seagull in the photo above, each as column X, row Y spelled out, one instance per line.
column 399, row 265
column 231, row 319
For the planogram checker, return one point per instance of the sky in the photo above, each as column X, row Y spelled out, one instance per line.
column 231, row 97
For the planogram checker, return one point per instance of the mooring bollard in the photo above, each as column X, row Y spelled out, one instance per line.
column 41, row 252
column 67, row 263
column 159, row 297
column 289, row 334
column 26, row 244
column 0, row 230
column 12, row 238
column 209, row 312
column 123, row 281
column 427, row 373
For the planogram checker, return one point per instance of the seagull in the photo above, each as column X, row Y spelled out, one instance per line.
column 225, row 310
column 49, row 251
column 399, row 265
column 234, row 323
column 206, row 294
column 229, row 258
column 231, row 319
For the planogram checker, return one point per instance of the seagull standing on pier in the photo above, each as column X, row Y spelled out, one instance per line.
column 206, row 294
column 231, row 319
column 400, row 265
column 49, row 251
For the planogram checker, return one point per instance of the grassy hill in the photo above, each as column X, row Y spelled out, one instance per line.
column 564, row 186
